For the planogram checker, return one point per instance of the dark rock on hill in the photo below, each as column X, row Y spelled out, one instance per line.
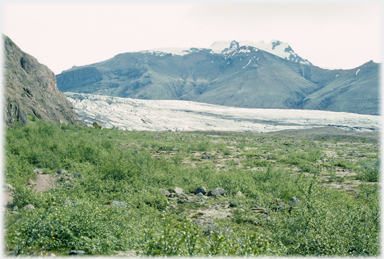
column 31, row 91
column 238, row 76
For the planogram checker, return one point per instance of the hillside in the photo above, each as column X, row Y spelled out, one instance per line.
column 30, row 90
column 356, row 90
column 239, row 76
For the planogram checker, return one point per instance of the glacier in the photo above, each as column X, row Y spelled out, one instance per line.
column 174, row 115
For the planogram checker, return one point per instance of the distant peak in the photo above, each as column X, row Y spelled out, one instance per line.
column 275, row 47
column 234, row 45
column 276, row 43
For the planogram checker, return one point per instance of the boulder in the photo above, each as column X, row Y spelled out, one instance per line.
column 239, row 193
column 260, row 210
column 294, row 200
column 96, row 125
column 165, row 193
column 278, row 204
column 115, row 204
column 76, row 252
column 38, row 171
column 9, row 187
column 118, row 204
column 79, row 176
column 203, row 197
column 216, row 192
column 28, row 207
column 61, row 171
column 200, row 189
column 178, row 191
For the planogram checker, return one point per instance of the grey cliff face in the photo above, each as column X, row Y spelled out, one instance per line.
column 30, row 90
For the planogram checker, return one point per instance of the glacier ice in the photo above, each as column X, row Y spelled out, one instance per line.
column 174, row 115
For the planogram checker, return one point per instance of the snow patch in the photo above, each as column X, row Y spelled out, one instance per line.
column 276, row 47
column 357, row 72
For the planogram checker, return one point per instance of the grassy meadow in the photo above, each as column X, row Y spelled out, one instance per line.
column 334, row 179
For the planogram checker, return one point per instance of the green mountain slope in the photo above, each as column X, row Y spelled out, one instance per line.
column 354, row 91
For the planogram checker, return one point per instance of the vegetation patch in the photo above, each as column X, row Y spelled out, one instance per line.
column 282, row 194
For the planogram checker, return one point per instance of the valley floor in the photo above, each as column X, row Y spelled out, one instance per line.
column 297, row 192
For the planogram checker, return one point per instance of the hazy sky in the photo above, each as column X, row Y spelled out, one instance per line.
column 61, row 35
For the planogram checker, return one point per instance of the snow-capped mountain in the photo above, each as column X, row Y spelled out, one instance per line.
column 232, row 74
column 275, row 47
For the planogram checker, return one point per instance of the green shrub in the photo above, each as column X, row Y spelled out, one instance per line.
column 370, row 170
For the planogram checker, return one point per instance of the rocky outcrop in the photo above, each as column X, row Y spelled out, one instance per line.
column 30, row 90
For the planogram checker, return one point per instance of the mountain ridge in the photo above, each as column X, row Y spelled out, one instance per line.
column 240, row 76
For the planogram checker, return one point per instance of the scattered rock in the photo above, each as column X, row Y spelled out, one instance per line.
column 96, row 125
column 165, row 193
column 115, row 203
column 131, row 253
column 239, row 193
column 206, row 157
column 216, row 192
column 38, row 171
column 182, row 201
column 294, row 200
column 178, row 191
column 15, row 208
column 260, row 210
column 31, row 182
column 28, row 207
column 192, row 198
column 79, row 176
column 62, row 171
column 204, row 197
column 201, row 190
column 278, row 204
column 9, row 187
column 76, row 252
column 232, row 204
